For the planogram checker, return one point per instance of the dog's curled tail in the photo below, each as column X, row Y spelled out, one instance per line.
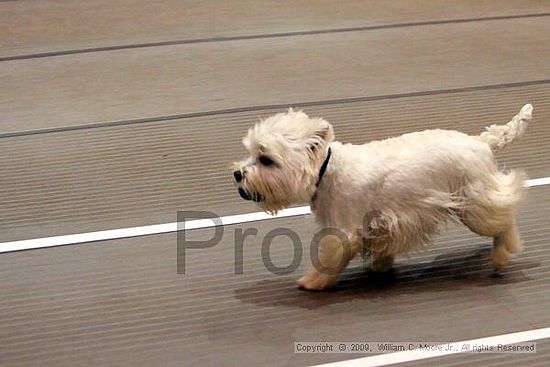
column 498, row 136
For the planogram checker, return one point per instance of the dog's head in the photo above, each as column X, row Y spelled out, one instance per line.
column 286, row 152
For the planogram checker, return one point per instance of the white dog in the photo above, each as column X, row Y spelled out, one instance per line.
column 386, row 197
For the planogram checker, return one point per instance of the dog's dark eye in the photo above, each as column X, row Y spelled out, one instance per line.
column 265, row 160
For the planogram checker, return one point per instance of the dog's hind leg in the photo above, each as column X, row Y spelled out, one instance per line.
column 490, row 213
column 505, row 244
column 506, row 240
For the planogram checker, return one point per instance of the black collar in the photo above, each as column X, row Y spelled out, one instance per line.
column 323, row 168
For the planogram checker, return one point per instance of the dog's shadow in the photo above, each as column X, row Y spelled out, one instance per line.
column 448, row 272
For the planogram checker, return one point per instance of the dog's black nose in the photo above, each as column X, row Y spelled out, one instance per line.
column 238, row 176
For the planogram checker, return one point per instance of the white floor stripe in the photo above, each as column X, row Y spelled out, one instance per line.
column 168, row 227
column 538, row 182
column 415, row 355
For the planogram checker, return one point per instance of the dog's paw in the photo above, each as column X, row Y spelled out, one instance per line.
column 315, row 281
column 382, row 264
column 381, row 268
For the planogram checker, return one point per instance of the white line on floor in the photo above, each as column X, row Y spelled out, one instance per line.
column 538, row 182
column 114, row 234
column 416, row 354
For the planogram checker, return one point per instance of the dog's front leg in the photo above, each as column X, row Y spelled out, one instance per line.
column 332, row 258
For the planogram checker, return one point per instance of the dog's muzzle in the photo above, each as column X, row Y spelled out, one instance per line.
column 245, row 195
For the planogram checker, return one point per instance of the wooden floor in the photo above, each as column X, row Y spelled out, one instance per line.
column 119, row 113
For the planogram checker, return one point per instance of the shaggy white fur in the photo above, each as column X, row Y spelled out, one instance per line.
column 388, row 197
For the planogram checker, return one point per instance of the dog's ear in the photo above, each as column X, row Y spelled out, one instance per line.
column 320, row 137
